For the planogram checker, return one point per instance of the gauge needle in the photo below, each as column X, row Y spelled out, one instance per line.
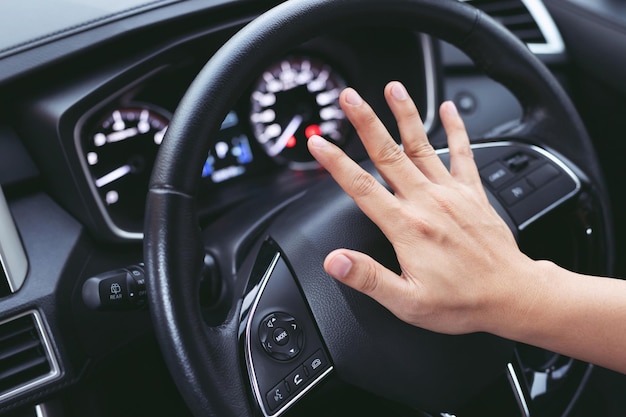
column 289, row 131
column 122, row 134
column 113, row 175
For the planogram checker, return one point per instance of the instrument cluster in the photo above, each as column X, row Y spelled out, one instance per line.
column 293, row 99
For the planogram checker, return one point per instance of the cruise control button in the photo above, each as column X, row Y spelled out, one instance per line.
column 518, row 162
column 542, row 175
column 515, row 192
column 496, row 174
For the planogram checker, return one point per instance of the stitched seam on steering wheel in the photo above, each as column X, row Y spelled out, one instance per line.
column 165, row 189
column 477, row 16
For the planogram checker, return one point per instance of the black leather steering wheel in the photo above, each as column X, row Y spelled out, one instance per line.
column 209, row 362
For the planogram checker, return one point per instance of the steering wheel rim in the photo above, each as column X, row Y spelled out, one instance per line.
column 202, row 358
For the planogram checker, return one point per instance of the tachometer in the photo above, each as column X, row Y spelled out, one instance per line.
column 294, row 99
column 119, row 153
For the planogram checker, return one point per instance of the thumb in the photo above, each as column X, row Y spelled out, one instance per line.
column 366, row 275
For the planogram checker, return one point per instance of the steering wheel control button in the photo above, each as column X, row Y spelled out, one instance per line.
column 316, row 363
column 281, row 336
column 517, row 162
column 516, row 192
column 277, row 396
column 526, row 180
column 496, row 174
column 542, row 175
column 297, row 379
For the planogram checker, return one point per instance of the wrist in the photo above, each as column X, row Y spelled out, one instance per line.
column 518, row 307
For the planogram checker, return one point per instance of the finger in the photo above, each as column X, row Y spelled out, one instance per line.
column 366, row 275
column 462, row 164
column 390, row 160
column 370, row 195
column 416, row 144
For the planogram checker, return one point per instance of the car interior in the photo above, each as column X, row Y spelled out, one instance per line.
column 163, row 225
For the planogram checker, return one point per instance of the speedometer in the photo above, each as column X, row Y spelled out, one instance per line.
column 293, row 100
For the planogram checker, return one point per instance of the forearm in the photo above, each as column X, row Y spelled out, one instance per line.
column 573, row 314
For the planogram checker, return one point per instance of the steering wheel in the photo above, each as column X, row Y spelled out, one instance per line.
column 282, row 325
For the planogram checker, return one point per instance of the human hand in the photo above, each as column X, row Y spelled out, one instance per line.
column 461, row 267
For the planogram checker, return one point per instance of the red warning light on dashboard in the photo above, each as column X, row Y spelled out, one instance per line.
column 312, row 130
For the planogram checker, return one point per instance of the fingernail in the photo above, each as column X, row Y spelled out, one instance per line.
column 339, row 266
column 398, row 91
column 450, row 108
column 353, row 98
column 317, row 141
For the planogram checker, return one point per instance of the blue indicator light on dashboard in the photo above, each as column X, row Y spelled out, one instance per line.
column 241, row 149
column 207, row 169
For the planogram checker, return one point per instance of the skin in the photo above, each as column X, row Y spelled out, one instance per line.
column 461, row 268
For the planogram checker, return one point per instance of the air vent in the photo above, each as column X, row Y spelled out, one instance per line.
column 529, row 20
column 26, row 359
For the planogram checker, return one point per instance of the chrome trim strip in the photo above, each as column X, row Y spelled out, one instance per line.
column 548, row 155
column 55, row 370
column 517, row 390
column 248, row 341
column 248, row 350
column 12, row 255
column 115, row 229
column 430, row 80
column 566, row 197
column 40, row 411
column 554, row 42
